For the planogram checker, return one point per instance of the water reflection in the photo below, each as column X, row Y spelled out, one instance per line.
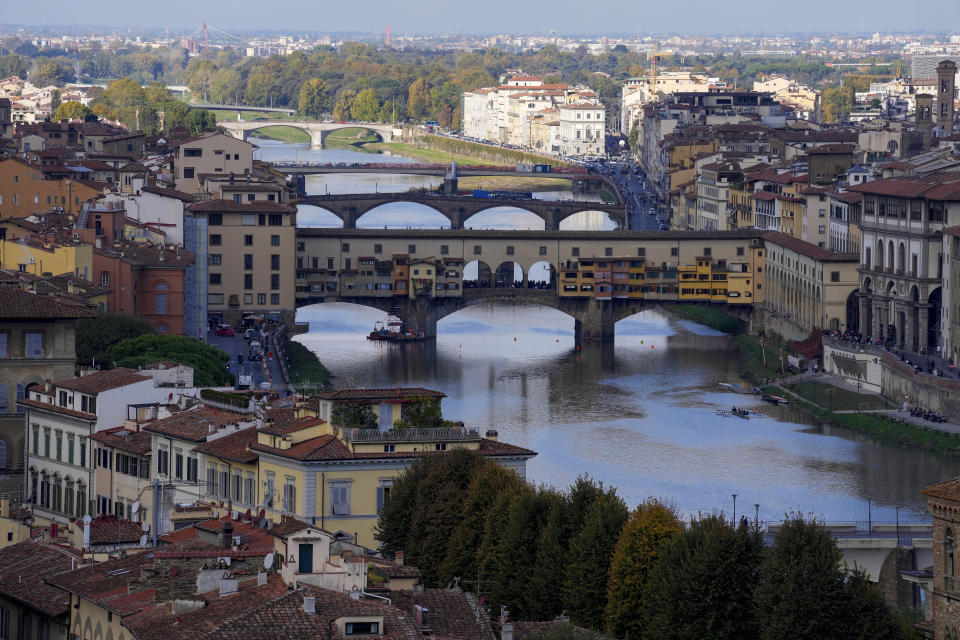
column 640, row 415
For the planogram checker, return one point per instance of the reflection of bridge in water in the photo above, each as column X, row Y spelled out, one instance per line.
column 458, row 209
column 597, row 278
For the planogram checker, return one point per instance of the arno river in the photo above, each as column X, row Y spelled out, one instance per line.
column 639, row 415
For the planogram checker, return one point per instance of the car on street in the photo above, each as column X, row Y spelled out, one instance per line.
column 225, row 332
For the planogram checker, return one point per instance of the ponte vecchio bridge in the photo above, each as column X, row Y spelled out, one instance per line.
column 598, row 278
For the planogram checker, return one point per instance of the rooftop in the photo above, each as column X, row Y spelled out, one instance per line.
column 21, row 303
column 807, row 249
column 137, row 442
column 229, row 206
column 234, row 446
column 195, row 424
column 100, row 381
column 24, row 570
column 398, row 394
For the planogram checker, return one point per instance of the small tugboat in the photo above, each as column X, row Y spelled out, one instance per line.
column 774, row 399
column 735, row 411
column 392, row 330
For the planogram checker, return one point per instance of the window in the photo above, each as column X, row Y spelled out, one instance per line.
column 214, row 298
column 214, row 259
column 362, row 628
column 83, row 454
column 543, row 251
column 178, row 464
column 33, row 344
column 378, row 248
column 575, row 251
column 214, row 278
column 411, row 248
column 163, row 461
column 248, row 261
column 215, row 219
column 383, row 494
column 248, row 240
column 440, row 446
column 248, row 219
column 274, row 298
column 212, row 481
column 261, row 298
column 289, row 496
column 674, row 251
column 238, row 198
column 389, row 448
column 3, row 344
column 276, row 219
column 248, row 495
column 225, row 485
column 275, row 261
column 345, row 247
column 192, row 153
column 274, row 281
column 248, row 281
column 215, row 240
column 477, row 250
column 188, row 172
column 161, row 304
column 105, row 278
column 510, row 250
column 444, row 249
column 192, row 469
column 821, row 229
column 949, row 568
column 834, row 276
column 236, row 487
column 59, row 437
column 340, row 498
column 70, row 439
column 274, row 240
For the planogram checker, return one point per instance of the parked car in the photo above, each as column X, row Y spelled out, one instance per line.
column 225, row 332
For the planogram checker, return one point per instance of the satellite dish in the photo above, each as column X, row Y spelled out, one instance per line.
column 143, row 540
column 268, row 561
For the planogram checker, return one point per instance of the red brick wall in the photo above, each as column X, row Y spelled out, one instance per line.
column 150, row 284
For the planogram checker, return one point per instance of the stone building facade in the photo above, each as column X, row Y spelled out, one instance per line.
column 943, row 502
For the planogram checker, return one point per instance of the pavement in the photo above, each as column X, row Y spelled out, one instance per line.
column 632, row 188
column 266, row 371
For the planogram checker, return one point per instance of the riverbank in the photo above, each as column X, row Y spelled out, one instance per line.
column 305, row 367
column 282, row 134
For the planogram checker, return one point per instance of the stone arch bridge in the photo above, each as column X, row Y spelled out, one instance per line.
column 318, row 131
column 458, row 209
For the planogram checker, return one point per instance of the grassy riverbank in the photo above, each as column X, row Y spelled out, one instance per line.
column 707, row 316
column 305, row 367
column 351, row 137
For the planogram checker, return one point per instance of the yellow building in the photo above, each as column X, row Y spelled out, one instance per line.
column 18, row 253
column 341, row 479
column 740, row 199
column 14, row 523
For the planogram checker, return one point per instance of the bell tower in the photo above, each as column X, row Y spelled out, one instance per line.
column 946, row 79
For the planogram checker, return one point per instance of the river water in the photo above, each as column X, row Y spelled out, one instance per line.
column 639, row 415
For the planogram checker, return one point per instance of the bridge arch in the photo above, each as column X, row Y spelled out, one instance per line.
column 509, row 274
column 422, row 214
column 498, row 217
column 478, row 273
column 318, row 131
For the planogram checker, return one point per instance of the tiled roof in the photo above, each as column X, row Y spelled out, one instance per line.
column 95, row 383
column 137, row 442
column 168, row 193
column 329, row 447
column 807, row 249
column 945, row 490
column 289, row 526
column 929, row 188
column 103, row 580
column 389, row 568
column 194, row 424
column 229, row 206
column 24, row 569
column 110, row 530
column 20, row 303
column 380, row 395
column 255, row 186
column 559, row 627
column 235, row 446
column 36, row 404
column 148, row 255
column 284, row 617
column 450, row 615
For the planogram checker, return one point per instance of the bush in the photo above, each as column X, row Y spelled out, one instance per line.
column 209, row 363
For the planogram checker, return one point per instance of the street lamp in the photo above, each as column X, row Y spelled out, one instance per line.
column 756, row 515
column 869, row 517
column 734, row 509
column 898, row 524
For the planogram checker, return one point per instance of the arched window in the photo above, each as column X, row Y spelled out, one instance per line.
column 948, row 553
column 890, row 263
column 3, row 453
column 161, row 286
column 879, row 254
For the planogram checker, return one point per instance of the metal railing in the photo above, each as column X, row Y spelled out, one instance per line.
column 410, row 435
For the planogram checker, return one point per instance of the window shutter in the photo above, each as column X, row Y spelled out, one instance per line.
column 379, row 499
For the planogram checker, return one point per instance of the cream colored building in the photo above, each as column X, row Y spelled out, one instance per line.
column 808, row 286
column 210, row 153
column 251, row 259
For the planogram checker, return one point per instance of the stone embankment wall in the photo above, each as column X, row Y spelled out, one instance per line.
column 857, row 364
column 901, row 383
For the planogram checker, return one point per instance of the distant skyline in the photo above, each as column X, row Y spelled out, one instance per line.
column 603, row 17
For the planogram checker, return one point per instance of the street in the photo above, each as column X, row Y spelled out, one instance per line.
column 637, row 195
column 267, row 370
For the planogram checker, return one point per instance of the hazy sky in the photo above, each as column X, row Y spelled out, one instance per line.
column 504, row 16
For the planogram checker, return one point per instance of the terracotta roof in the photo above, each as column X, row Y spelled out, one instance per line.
column 255, row 186
column 952, row 231
column 36, row 404
column 929, row 188
column 289, row 525
column 390, row 568
column 253, row 540
column 397, row 394
column 110, row 530
column 229, row 206
column 194, row 424
column 105, row 579
column 451, row 613
column 148, row 255
column 235, row 446
column 168, row 193
column 329, row 447
column 20, row 303
column 558, row 627
column 807, row 249
column 138, row 442
column 24, row 570
column 945, row 490
column 290, row 425
column 99, row 381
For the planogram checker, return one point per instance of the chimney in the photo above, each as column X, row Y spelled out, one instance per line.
column 309, row 605
column 226, row 535
column 492, row 435
column 398, row 557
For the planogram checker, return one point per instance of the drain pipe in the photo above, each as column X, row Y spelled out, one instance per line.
column 363, row 589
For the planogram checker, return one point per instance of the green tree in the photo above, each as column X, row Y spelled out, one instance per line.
column 418, row 99
column 545, row 600
column 702, row 585
column 125, row 92
column 261, row 89
column 366, row 106
column 157, row 93
column 209, row 363
column 313, row 98
column 354, row 416
column 73, row 110
column 200, row 120
column 585, row 586
column 55, row 100
column 424, row 414
column 226, row 86
column 837, row 103
column 96, row 335
column 343, row 104
column 641, row 541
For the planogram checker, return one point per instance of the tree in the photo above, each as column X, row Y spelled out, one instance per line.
column 366, row 106
column 226, row 86
column 418, row 99
column 343, row 103
column 702, row 585
column 209, row 363
column 313, row 98
column 354, row 416
column 837, row 102
column 585, row 586
column 545, row 600
column 73, row 110
column 261, row 89
column 157, row 93
column 96, row 335
column 641, row 541
column 55, row 100
column 423, row 414
column 199, row 121
column 124, row 92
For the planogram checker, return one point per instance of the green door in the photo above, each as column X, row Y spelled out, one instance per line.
column 306, row 559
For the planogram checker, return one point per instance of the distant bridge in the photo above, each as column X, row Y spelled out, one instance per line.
column 244, row 107
column 458, row 209
column 317, row 131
